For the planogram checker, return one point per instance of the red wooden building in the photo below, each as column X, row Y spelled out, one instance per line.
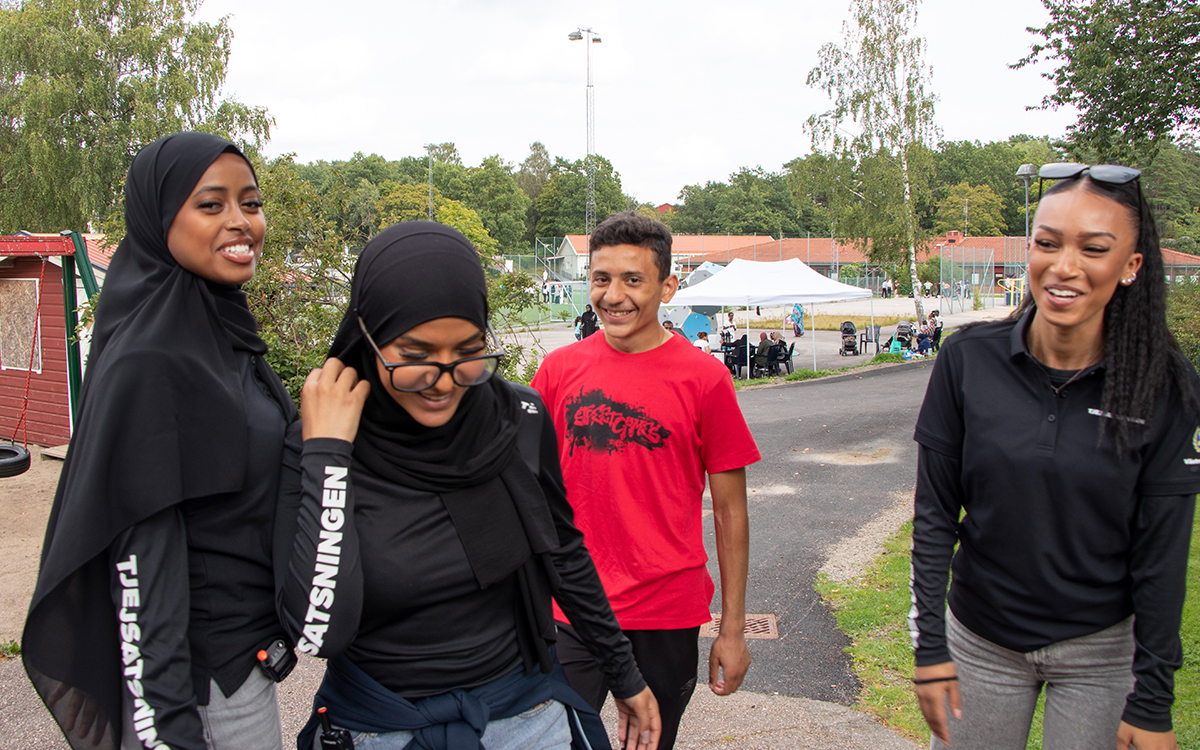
column 39, row 367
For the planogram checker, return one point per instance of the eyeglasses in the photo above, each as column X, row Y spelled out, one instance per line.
column 1113, row 174
column 412, row 377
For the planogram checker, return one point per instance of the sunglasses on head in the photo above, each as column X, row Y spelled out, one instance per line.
column 1113, row 174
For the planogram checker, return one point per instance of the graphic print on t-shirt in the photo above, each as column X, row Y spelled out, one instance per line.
column 597, row 422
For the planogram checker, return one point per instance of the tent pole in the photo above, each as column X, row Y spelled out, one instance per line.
column 747, row 361
column 873, row 316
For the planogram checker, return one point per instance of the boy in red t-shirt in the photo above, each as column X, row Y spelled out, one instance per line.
column 642, row 416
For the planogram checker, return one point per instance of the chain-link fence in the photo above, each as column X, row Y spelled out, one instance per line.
column 968, row 278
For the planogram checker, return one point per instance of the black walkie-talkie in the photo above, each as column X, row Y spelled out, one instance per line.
column 333, row 739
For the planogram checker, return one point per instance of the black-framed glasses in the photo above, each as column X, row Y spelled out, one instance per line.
column 1113, row 174
column 412, row 377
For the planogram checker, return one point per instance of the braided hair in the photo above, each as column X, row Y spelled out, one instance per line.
column 1142, row 358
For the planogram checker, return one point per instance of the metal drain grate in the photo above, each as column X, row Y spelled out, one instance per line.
column 757, row 626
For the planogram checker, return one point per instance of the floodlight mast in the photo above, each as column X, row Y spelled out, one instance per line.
column 589, row 165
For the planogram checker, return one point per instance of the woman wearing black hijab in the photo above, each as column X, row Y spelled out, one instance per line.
column 428, row 548
column 156, row 586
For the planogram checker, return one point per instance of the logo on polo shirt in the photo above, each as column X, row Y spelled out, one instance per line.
column 599, row 423
column 1196, row 440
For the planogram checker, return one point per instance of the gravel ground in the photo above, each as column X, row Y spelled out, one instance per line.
column 851, row 556
column 743, row 721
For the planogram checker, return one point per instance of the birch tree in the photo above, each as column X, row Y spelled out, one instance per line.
column 879, row 80
column 84, row 84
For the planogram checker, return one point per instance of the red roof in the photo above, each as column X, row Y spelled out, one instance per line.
column 689, row 244
column 45, row 244
column 1176, row 258
column 98, row 252
column 818, row 250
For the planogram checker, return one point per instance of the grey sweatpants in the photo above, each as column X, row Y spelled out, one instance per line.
column 1086, row 679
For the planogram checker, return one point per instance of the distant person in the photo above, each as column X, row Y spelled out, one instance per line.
column 588, row 322
column 797, row 320
column 761, row 358
column 728, row 330
column 701, row 342
column 635, row 449
column 1068, row 435
column 935, row 322
column 578, row 328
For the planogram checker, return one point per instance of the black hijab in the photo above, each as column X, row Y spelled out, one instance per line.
column 162, row 420
column 409, row 274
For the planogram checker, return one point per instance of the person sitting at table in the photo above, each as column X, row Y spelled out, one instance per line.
column 761, row 354
column 701, row 342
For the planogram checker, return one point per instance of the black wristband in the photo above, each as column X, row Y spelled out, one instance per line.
column 931, row 680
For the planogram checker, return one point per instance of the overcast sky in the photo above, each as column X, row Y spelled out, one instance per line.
column 686, row 91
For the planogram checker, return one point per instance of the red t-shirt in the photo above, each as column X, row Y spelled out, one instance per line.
column 637, row 434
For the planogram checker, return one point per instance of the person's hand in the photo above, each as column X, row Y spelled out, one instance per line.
column 81, row 717
column 331, row 402
column 932, row 697
column 728, row 661
column 1129, row 736
column 638, row 724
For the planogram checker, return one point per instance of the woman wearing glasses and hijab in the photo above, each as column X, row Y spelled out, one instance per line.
column 156, row 587
column 1068, row 435
column 431, row 535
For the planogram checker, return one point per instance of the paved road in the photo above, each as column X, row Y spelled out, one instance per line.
column 836, row 452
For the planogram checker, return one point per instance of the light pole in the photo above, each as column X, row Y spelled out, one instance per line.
column 1027, row 173
column 589, row 37
column 429, row 155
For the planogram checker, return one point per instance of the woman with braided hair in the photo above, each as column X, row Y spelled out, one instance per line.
column 1068, row 435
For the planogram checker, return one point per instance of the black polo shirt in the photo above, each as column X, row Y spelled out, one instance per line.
column 1062, row 536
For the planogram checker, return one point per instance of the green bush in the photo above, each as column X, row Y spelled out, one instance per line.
column 1183, row 318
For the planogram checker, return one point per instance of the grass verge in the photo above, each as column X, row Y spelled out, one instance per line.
column 872, row 611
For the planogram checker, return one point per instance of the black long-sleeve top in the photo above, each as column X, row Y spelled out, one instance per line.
column 1062, row 537
column 193, row 587
column 377, row 572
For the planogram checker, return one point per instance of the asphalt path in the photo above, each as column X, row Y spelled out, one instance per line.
column 836, row 452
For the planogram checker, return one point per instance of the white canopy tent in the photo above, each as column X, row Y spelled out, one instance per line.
column 749, row 283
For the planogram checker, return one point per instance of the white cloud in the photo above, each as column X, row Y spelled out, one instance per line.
column 686, row 92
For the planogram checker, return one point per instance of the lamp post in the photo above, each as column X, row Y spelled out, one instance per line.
column 589, row 37
column 1027, row 173
column 429, row 157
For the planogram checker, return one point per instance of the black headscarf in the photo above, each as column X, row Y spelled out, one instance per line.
column 409, row 274
column 162, row 420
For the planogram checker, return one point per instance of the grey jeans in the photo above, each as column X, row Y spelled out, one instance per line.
column 1087, row 680
column 247, row 719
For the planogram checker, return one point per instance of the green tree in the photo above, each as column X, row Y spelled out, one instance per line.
column 878, row 79
column 1131, row 68
column 561, row 206
column 971, row 209
column 400, row 202
column 499, row 201
column 84, row 84
column 302, row 283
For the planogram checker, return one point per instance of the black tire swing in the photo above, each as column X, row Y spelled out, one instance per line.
column 15, row 459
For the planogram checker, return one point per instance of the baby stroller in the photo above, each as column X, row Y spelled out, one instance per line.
column 849, row 339
column 904, row 335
